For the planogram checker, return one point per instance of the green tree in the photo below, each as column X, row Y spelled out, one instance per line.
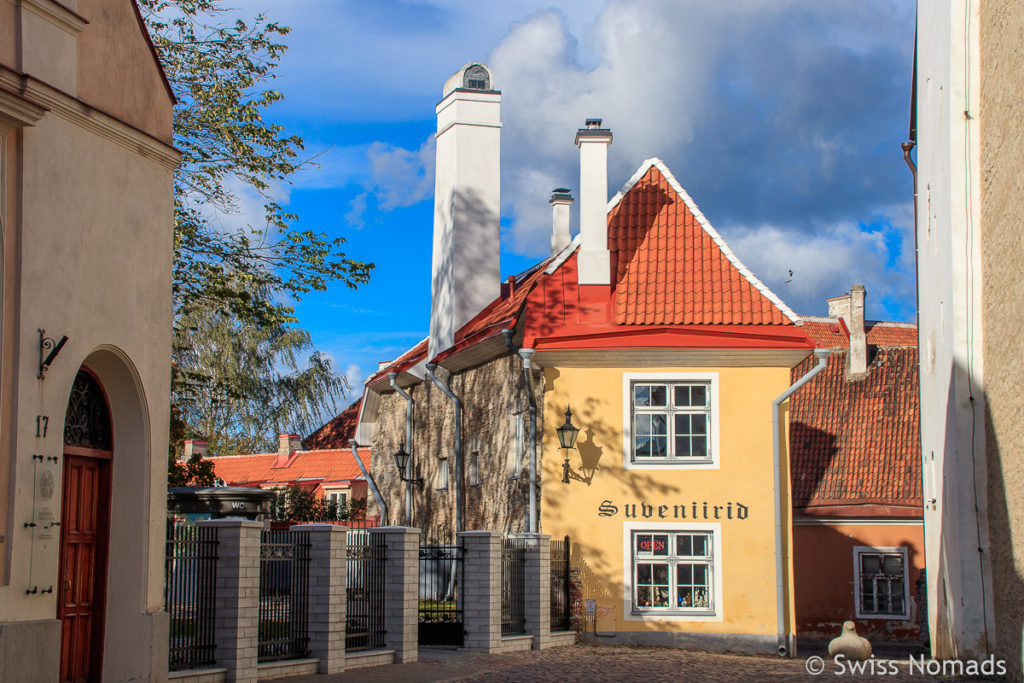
column 229, row 274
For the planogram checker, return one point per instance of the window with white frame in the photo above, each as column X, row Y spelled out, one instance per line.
column 671, row 421
column 673, row 572
column 339, row 498
column 516, row 445
column 881, row 582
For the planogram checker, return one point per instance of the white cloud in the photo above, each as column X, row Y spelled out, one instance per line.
column 354, row 375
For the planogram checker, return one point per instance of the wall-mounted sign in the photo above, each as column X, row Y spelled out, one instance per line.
column 591, row 608
column 692, row 510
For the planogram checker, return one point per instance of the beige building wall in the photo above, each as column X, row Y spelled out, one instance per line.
column 87, row 243
column 1002, row 311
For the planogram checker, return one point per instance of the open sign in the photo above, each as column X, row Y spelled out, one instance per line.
column 652, row 545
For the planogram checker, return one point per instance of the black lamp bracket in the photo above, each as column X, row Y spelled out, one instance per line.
column 48, row 350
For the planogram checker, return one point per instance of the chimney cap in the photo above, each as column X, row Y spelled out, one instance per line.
column 592, row 129
column 561, row 195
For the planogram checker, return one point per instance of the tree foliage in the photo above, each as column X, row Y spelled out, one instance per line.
column 235, row 278
column 295, row 504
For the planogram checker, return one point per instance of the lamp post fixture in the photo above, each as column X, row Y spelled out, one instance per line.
column 402, row 463
column 567, row 434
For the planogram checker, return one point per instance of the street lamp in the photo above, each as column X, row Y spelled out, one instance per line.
column 567, row 434
column 402, row 463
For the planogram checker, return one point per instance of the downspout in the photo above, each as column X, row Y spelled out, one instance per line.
column 408, row 444
column 527, row 356
column 785, row 646
column 458, row 445
column 370, row 482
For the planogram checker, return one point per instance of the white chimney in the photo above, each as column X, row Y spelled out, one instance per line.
column 594, row 261
column 560, row 202
column 466, row 257
column 193, row 447
column 850, row 308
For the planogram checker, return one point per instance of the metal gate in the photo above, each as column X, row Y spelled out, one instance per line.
column 364, row 613
column 560, row 599
column 440, row 609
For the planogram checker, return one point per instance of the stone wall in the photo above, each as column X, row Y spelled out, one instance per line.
column 1002, row 252
column 490, row 393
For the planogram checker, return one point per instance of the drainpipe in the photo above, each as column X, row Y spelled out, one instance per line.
column 458, row 445
column 408, row 441
column 370, row 482
column 531, row 395
column 785, row 646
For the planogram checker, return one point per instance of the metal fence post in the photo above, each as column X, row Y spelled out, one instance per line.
column 236, row 625
column 538, row 588
column 327, row 604
column 401, row 591
column 481, row 591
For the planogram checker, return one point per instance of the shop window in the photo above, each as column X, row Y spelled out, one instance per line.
column 673, row 572
column 881, row 582
column 671, row 422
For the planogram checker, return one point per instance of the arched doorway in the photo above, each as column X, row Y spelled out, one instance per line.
column 85, row 529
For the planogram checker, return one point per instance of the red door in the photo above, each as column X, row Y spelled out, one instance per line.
column 84, row 536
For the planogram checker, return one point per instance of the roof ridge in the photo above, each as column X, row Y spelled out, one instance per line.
column 705, row 224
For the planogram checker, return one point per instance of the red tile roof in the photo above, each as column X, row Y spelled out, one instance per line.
column 329, row 465
column 337, row 432
column 857, row 442
column 831, row 333
column 672, row 267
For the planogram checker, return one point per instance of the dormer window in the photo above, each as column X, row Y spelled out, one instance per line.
column 477, row 78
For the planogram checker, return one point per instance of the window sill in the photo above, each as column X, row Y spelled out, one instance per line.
column 672, row 613
column 670, row 465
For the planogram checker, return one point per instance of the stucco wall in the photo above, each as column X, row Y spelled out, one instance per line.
column 596, row 514
column 1002, row 253
column 823, row 575
column 490, row 393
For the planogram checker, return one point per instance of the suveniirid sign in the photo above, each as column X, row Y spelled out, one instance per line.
column 693, row 510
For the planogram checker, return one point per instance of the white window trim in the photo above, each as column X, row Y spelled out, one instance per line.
column 627, row 418
column 859, row 550
column 627, row 570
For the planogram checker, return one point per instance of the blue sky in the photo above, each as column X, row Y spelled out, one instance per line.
column 782, row 119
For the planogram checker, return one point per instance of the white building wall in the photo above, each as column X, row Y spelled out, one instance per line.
column 949, row 280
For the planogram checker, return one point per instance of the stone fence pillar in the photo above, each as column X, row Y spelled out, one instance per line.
column 401, row 590
column 481, row 589
column 236, row 623
column 538, row 588
column 327, row 594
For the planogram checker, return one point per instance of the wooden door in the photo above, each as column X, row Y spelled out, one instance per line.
column 84, row 532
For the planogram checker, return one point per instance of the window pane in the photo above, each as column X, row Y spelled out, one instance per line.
column 643, row 573
column 698, row 395
column 643, row 596
column 683, row 425
column 867, row 595
column 699, row 447
column 684, row 574
column 659, row 396
column 681, row 396
column 659, row 446
column 643, row 543
column 684, row 545
column 661, row 596
column 698, row 424
column 700, row 574
column 659, row 425
column 643, row 447
column 660, row 574
column 643, row 425
column 700, row 546
column 870, row 564
column 682, row 447
column 660, row 546
column 641, row 395
column 893, row 565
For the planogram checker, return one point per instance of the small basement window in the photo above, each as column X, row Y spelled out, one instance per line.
column 881, row 582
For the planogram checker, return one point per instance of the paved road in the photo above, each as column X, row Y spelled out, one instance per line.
column 618, row 665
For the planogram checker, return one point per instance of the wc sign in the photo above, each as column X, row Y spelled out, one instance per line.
column 591, row 608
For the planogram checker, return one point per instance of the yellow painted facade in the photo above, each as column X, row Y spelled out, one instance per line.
column 620, row 499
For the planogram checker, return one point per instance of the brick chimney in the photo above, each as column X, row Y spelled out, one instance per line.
column 561, row 200
column 850, row 307
column 466, row 267
column 193, row 447
column 594, row 260
column 287, row 443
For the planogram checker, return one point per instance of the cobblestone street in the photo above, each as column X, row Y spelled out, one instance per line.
column 619, row 664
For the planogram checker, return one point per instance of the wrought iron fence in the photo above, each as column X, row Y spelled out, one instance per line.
column 440, row 600
column 513, row 582
column 560, row 600
column 284, row 596
column 190, row 578
column 364, row 615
